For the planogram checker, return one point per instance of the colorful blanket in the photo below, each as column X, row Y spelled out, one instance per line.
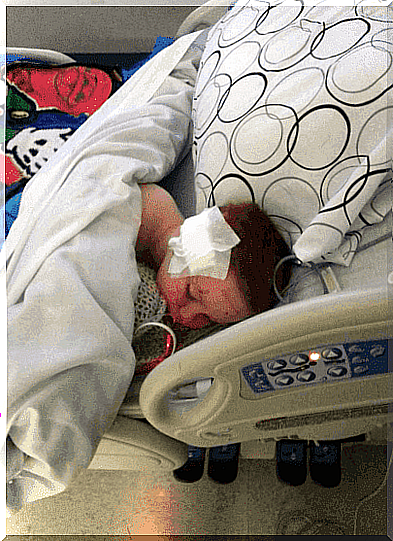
column 45, row 105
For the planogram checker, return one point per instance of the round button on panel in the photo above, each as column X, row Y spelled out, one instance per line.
column 306, row 377
column 356, row 348
column 358, row 360
column 284, row 380
column 331, row 353
column 277, row 365
column 261, row 386
column 299, row 359
column 360, row 369
column 337, row 371
column 377, row 351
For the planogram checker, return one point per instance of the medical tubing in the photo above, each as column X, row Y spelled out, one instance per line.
column 291, row 257
column 374, row 242
column 314, row 267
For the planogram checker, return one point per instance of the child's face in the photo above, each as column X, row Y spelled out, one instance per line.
column 196, row 301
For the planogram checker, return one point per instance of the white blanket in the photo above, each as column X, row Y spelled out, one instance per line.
column 72, row 276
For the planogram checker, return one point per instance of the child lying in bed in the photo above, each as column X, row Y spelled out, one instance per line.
column 72, row 280
column 196, row 301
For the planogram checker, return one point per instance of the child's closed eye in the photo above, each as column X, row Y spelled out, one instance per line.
column 189, row 294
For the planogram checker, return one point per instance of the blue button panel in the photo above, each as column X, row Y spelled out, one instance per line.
column 323, row 364
column 368, row 358
column 256, row 378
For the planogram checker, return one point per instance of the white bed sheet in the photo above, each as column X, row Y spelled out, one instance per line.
column 72, row 277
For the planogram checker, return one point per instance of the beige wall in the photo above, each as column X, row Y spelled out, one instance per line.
column 89, row 29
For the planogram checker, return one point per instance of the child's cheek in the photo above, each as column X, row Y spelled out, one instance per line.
column 169, row 287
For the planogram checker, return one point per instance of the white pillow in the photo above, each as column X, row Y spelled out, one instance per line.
column 291, row 110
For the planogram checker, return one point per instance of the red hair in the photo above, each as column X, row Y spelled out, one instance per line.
column 256, row 256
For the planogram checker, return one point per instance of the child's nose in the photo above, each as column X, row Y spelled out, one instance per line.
column 194, row 315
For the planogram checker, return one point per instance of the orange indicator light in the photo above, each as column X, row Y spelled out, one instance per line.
column 314, row 356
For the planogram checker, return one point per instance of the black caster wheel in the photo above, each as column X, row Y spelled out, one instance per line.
column 291, row 460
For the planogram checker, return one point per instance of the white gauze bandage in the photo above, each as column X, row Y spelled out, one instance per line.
column 204, row 246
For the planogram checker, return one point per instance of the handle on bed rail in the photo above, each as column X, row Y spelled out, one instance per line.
column 226, row 414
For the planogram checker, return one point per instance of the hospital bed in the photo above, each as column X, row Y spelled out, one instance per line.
column 316, row 367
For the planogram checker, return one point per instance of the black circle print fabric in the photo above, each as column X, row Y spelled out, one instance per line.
column 293, row 110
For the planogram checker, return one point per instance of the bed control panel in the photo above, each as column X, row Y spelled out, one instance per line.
column 320, row 365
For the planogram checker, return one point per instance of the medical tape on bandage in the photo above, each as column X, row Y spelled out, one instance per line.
column 204, row 246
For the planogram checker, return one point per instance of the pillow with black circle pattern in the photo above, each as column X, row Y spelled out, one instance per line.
column 292, row 110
